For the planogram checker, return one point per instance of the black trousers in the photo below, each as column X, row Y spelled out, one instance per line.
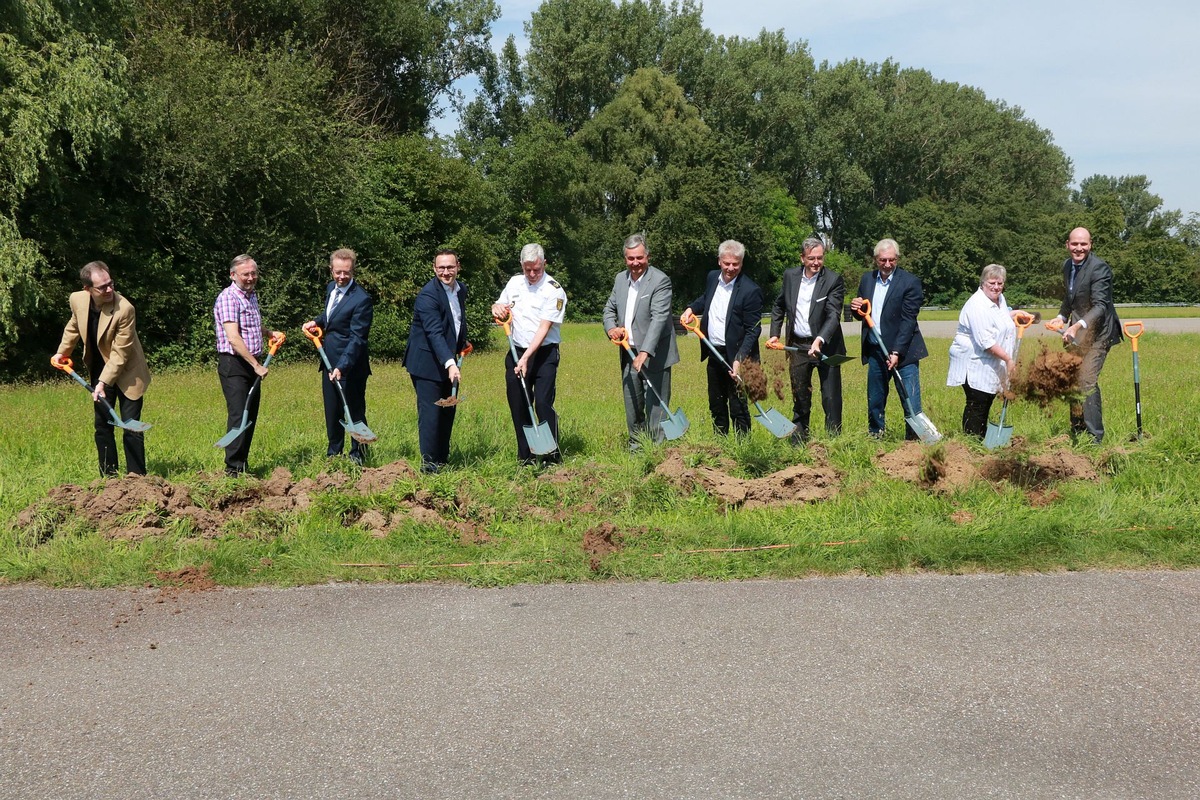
column 236, row 379
column 355, row 387
column 800, row 368
column 540, row 379
column 434, row 423
column 725, row 401
column 976, row 411
column 134, row 442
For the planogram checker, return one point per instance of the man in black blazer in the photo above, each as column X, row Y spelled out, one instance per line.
column 731, row 311
column 437, row 335
column 896, row 298
column 811, row 300
column 1094, row 328
column 346, row 322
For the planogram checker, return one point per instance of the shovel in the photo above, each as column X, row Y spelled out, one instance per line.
column 780, row 426
column 538, row 436
column 358, row 431
column 234, row 433
column 135, row 425
column 452, row 400
column 998, row 434
column 922, row 425
column 1140, row 328
column 833, row 361
column 673, row 425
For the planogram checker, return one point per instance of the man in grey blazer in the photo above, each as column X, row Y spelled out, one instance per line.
column 1094, row 326
column 811, row 300
column 640, row 307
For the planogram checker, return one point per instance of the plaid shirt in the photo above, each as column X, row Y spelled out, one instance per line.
column 234, row 305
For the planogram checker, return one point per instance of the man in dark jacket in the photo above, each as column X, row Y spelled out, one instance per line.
column 1094, row 326
column 346, row 322
column 438, row 333
column 896, row 298
column 731, row 309
column 811, row 300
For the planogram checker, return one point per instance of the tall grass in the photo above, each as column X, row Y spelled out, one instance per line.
column 1144, row 511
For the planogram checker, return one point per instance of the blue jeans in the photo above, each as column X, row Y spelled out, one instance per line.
column 879, row 381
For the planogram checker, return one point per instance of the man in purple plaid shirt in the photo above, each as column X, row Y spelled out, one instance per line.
column 240, row 346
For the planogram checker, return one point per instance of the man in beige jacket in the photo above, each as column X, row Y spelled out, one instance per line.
column 105, row 322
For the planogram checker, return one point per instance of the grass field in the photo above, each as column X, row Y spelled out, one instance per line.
column 1144, row 510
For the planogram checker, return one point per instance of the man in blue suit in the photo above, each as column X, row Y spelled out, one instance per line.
column 438, row 333
column 896, row 298
column 731, row 318
column 346, row 322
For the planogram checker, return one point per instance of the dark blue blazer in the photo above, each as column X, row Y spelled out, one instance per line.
column 824, row 316
column 346, row 330
column 431, row 339
column 1091, row 300
column 743, row 323
column 899, row 317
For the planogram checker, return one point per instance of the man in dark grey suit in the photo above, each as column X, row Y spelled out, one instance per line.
column 640, row 307
column 1094, row 326
column 811, row 299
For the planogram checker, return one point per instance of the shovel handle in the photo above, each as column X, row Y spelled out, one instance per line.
column 314, row 335
column 864, row 311
column 1133, row 330
column 1022, row 319
column 694, row 327
column 66, row 364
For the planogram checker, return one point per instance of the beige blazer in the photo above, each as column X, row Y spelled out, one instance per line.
column 116, row 340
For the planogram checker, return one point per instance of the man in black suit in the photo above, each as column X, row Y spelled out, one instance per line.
column 438, row 333
column 731, row 310
column 346, row 322
column 1094, row 326
column 811, row 299
column 896, row 298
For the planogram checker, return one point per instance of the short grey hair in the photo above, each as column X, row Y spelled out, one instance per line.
column 993, row 271
column 810, row 244
column 238, row 261
column 887, row 244
column 732, row 247
column 637, row 240
column 532, row 252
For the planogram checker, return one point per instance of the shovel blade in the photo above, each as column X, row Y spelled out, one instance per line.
column 997, row 435
column 540, row 439
column 675, row 425
column 446, row 402
column 836, row 361
column 135, row 425
column 923, row 426
column 780, row 426
column 233, row 434
column 359, row 432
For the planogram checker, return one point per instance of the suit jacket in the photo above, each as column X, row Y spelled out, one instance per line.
column 899, row 317
column 346, row 330
column 825, row 314
column 743, row 321
column 1091, row 300
column 652, row 327
column 117, row 343
column 431, row 339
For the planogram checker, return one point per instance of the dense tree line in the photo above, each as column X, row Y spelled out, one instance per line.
column 166, row 136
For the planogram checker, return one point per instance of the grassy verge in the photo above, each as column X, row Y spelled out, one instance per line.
column 1144, row 510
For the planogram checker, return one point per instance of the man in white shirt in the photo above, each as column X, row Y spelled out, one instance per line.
column 731, row 318
column 537, row 304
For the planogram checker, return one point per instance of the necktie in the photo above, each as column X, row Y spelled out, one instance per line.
column 333, row 302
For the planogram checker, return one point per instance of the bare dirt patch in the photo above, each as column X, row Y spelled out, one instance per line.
column 600, row 541
column 796, row 484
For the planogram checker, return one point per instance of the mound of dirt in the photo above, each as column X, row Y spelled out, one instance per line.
column 754, row 380
column 796, row 484
column 1053, row 375
column 600, row 541
column 135, row 506
column 944, row 467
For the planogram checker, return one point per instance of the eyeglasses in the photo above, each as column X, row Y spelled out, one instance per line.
column 104, row 287
column 879, row 260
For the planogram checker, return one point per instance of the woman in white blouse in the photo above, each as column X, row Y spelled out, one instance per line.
column 981, row 353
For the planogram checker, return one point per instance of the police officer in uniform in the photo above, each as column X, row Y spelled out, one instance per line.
column 537, row 304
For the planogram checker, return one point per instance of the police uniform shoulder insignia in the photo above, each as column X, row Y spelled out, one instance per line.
column 559, row 305
column 555, row 284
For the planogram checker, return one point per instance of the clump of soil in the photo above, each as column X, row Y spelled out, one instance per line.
column 796, row 484
column 779, row 369
column 1053, row 375
column 188, row 579
column 754, row 380
column 948, row 466
column 600, row 541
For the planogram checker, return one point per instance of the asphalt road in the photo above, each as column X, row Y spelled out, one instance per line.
column 1038, row 686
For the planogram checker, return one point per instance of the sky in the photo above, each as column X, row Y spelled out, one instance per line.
column 1116, row 83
